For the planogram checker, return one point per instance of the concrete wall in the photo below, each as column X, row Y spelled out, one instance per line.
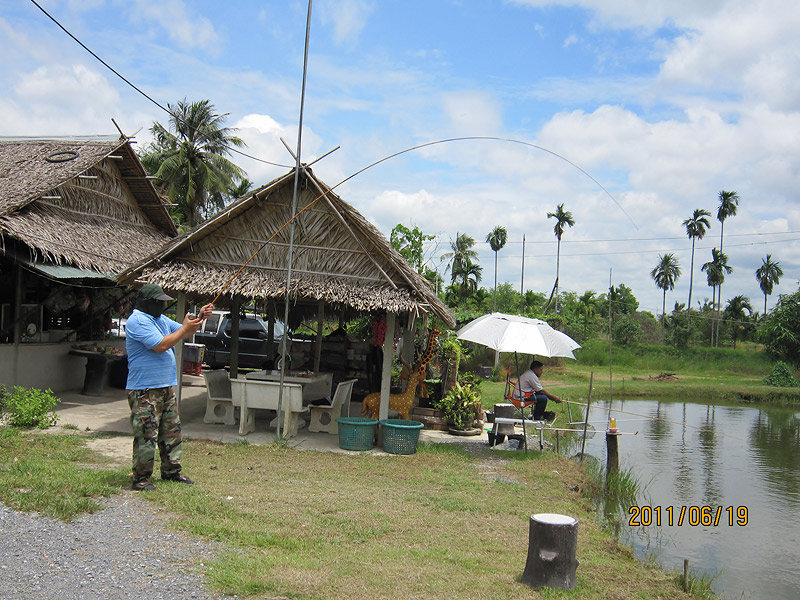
column 45, row 366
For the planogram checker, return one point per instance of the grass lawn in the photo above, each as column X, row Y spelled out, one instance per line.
column 442, row 523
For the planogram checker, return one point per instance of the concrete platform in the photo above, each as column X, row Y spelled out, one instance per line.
column 110, row 413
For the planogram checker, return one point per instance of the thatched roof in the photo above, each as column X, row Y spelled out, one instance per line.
column 339, row 257
column 87, row 202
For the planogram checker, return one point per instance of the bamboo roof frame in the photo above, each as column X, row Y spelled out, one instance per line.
column 340, row 258
column 81, row 201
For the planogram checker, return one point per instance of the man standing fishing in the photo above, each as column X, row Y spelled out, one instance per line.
column 150, row 338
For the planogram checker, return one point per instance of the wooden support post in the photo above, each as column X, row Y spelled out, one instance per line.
column 552, row 547
column 180, row 313
column 271, row 330
column 234, row 349
column 386, row 372
column 612, row 453
column 318, row 345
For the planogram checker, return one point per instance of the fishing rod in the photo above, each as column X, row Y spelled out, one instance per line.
column 412, row 148
column 636, row 415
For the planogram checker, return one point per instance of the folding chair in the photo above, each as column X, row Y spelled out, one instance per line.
column 521, row 401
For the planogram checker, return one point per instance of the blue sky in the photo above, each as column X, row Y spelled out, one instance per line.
column 663, row 103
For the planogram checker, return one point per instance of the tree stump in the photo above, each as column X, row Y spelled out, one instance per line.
column 552, row 544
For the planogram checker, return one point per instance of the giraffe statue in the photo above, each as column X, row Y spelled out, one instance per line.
column 402, row 402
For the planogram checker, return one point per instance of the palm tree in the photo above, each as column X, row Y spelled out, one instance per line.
column 728, row 203
column 587, row 304
column 470, row 274
column 716, row 269
column 563, row 217
column 768, row 275
column 497, row 239
column 734, row 312
column 695, row 228
column 665, row 274
column 461, row 254
column 188, row 158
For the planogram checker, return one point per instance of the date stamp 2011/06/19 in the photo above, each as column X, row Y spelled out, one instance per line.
column 694, row 516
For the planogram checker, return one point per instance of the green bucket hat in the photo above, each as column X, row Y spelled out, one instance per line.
column 150, row 291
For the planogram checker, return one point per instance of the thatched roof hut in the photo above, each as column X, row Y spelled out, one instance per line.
column 339, row 257
column 82, row 201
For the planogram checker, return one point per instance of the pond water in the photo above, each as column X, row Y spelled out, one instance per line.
column 723, row 457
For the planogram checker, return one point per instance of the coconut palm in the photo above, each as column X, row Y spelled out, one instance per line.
column 666, row 274
column 188, row 158
column 696, row 228
column 768, row 275
column 734, row 313
column 470, row 275
column 460, row 255
column 497, row 239
column 563, row 218
column 728, row 203
column 715, row 270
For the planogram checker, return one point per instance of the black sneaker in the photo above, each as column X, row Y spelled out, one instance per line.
column 180, row 478
column 143, row 485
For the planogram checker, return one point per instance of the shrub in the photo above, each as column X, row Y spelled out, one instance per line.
column 627, row 331
column 461, row 405
column 30, row 407
column 780, row 329
column 781, row 376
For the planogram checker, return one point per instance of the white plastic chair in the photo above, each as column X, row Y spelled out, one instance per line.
column 323, row 418
column 219, row 400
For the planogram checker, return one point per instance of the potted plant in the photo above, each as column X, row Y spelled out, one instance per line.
column 461, row 405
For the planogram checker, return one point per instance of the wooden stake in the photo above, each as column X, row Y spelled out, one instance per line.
column 586, row 420
column 612, row 453
column 685, row 574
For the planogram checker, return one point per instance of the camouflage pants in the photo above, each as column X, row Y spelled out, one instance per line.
column 155, row 421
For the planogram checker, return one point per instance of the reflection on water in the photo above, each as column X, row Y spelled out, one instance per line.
column 695, row 455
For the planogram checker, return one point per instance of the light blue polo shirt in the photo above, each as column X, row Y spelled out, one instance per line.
column 148, row 369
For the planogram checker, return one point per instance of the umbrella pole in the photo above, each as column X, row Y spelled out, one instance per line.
column 522, row 404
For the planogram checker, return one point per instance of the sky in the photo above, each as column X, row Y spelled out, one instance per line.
column 632, row 113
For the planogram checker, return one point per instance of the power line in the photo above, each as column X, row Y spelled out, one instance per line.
column 123, row 78
column 640, row 251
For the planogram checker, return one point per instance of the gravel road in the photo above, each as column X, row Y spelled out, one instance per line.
column 122, row 551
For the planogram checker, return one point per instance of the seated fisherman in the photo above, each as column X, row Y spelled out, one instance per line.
column 529, row 382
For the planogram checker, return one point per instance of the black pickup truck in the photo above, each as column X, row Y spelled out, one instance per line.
column 253, row 341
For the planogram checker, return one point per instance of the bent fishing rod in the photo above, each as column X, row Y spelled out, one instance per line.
column 395, row 154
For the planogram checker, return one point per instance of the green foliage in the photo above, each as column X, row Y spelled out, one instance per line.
column 30, row 407
column 626, row 331
column 188, row 158
column 621, row 299
column 781, row 329
column 781, row 376
column 460, row 405
column 410, row 244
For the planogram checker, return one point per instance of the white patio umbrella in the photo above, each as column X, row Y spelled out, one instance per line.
column 511, row 333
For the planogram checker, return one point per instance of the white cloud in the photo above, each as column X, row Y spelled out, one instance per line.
column 472, row 111
column 53, row 100
column 186, row 29
column 347, row 18
column 263, row 134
